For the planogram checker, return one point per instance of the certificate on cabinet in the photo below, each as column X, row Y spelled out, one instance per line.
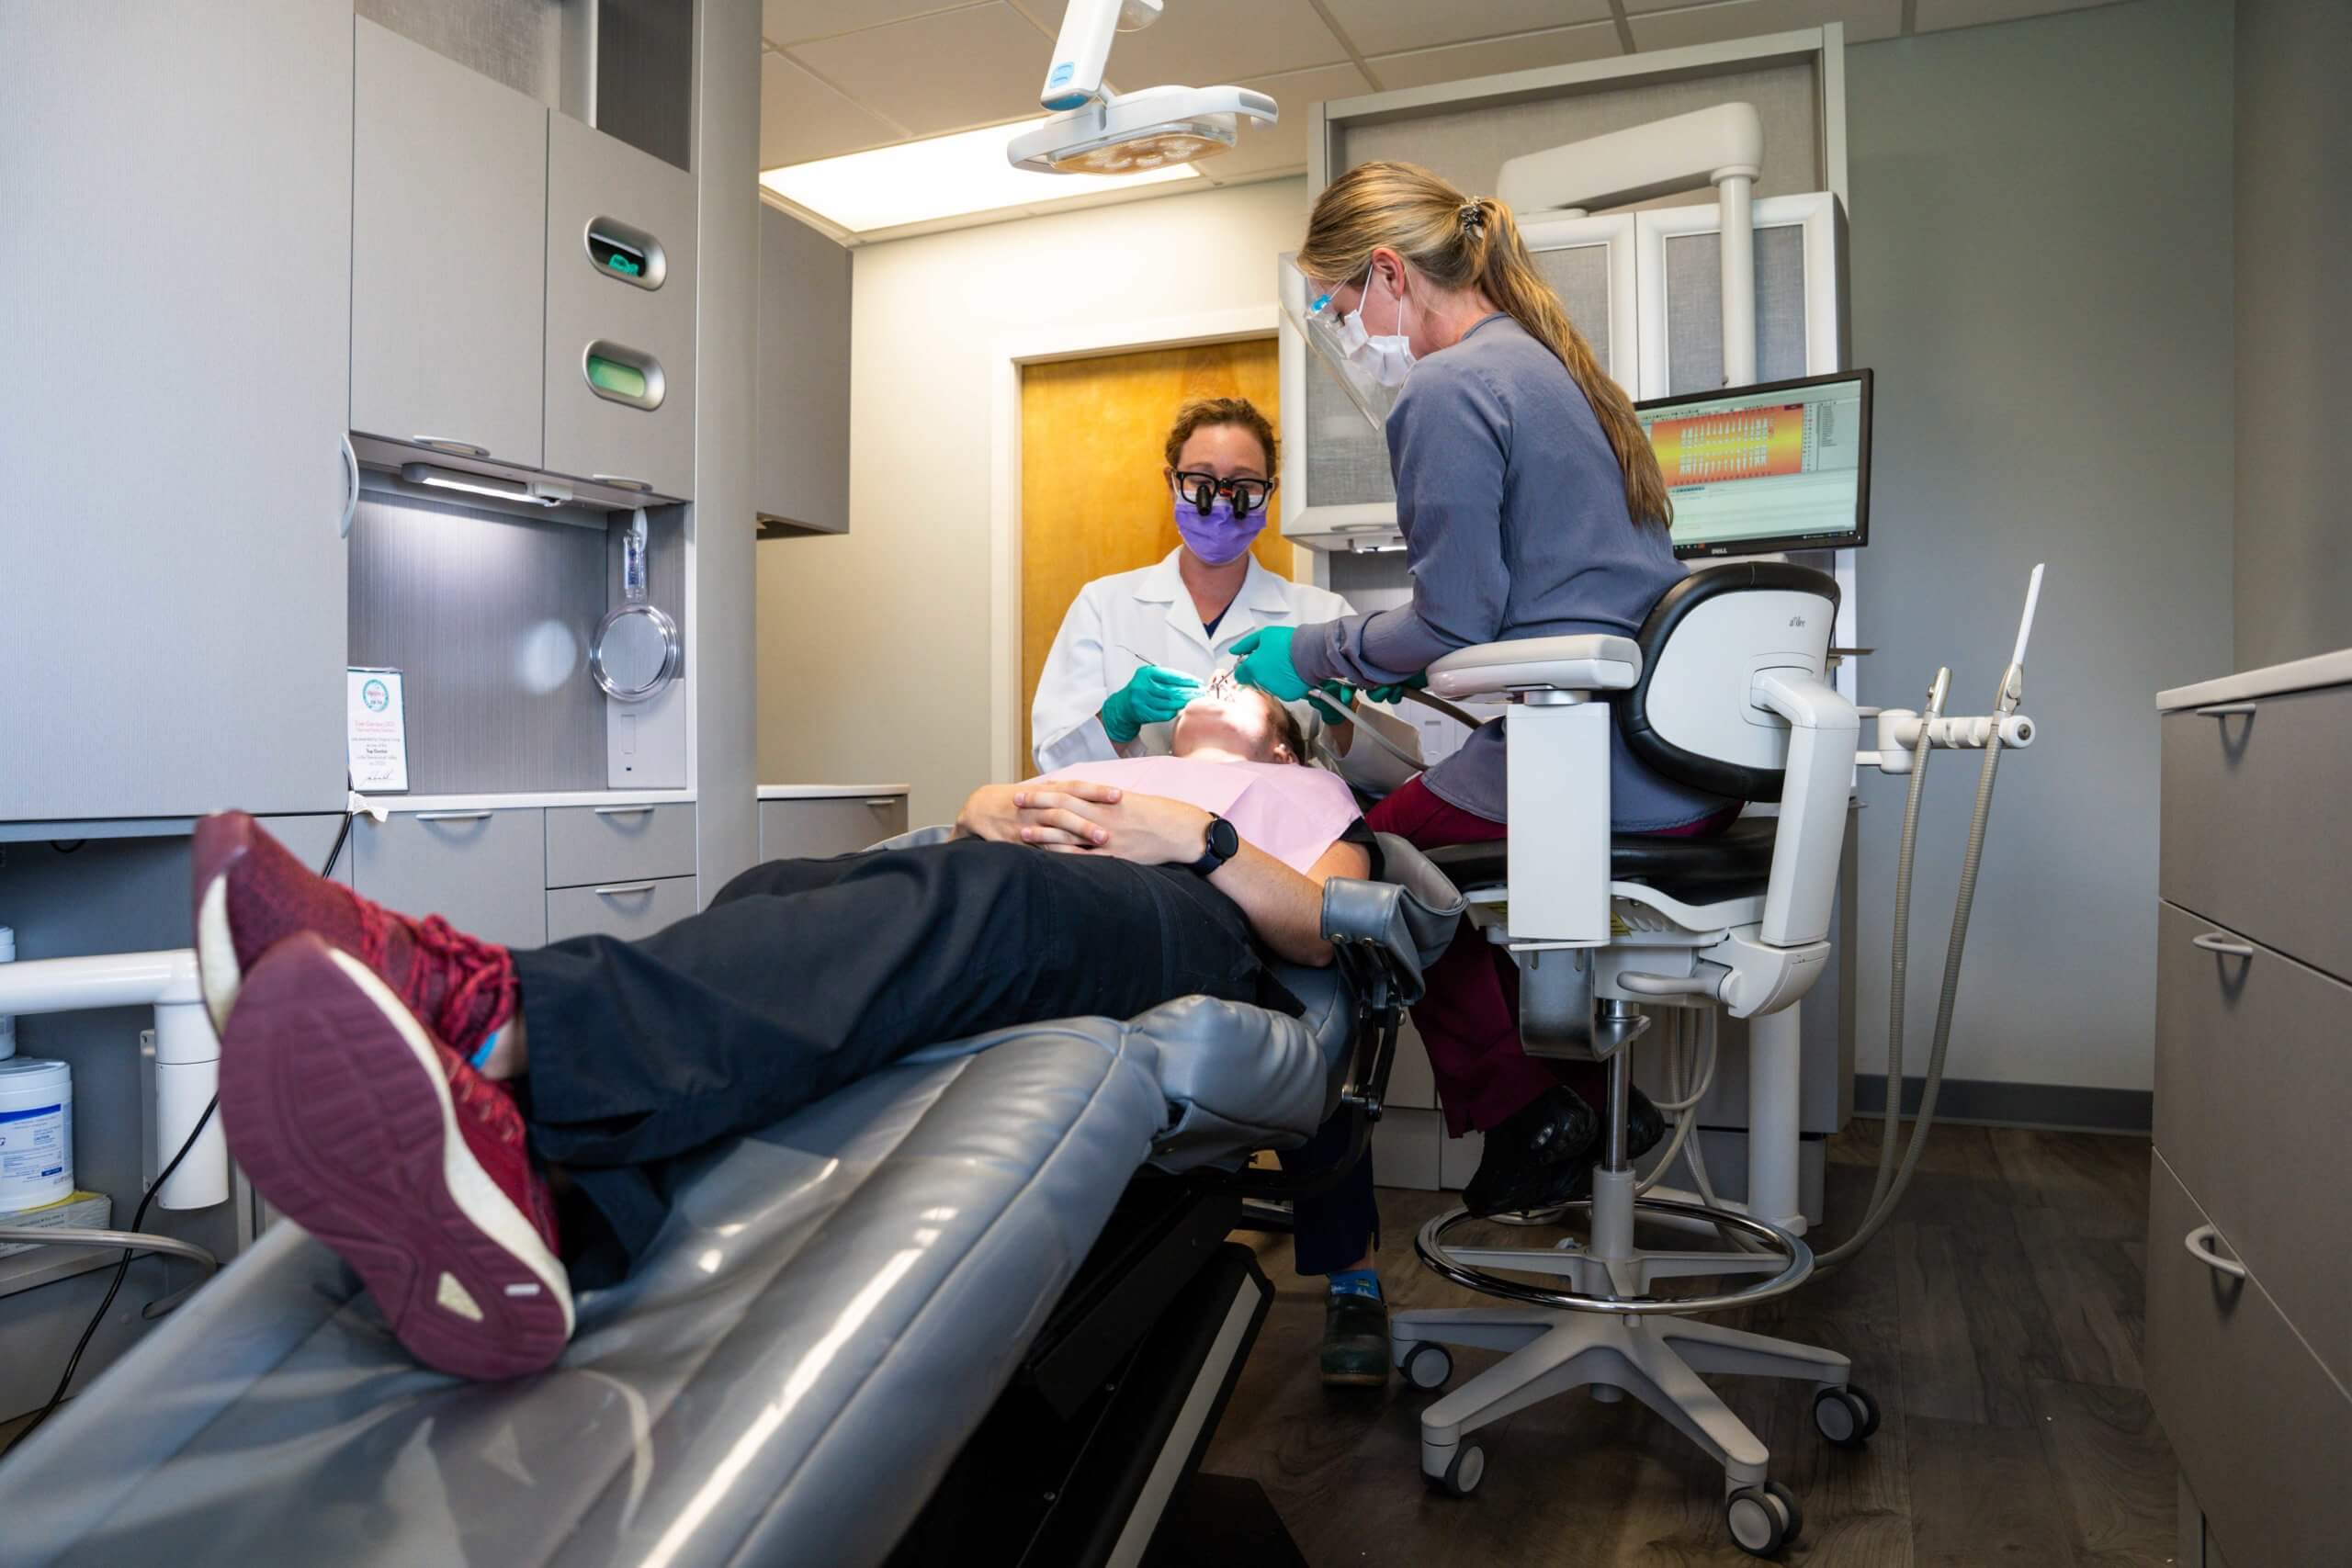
column 376, row 731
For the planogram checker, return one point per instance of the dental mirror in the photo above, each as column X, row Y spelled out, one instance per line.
column 636, row 649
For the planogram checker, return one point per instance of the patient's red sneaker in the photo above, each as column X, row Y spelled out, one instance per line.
column 361, row 1127
column 252, row 894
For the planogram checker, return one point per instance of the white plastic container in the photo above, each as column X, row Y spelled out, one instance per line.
column 8, row 1024
column 35, row 1133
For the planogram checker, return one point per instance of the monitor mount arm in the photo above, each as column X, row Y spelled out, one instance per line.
column 1723, row 146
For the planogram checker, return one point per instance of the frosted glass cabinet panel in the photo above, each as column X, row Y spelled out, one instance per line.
column 1800, row 297
column 1336, row 490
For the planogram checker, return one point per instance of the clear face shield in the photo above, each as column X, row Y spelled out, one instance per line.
column 1370, row 368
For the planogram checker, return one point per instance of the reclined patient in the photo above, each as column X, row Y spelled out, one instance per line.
column 407, row 1092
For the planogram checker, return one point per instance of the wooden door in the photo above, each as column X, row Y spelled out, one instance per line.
column 1092, row 498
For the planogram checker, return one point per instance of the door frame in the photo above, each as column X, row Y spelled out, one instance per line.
column 1043, row 344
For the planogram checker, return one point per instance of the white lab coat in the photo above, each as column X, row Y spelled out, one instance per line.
column 1119, row 624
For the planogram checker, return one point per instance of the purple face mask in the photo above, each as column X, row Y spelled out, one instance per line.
column 1218, row 536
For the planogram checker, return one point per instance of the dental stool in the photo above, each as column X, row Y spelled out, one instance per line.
column 1725, row 689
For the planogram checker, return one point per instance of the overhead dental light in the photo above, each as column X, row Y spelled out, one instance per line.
column 1124, row 133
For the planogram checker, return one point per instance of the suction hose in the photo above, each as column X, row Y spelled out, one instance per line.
column 1899, row 986
column 1881, row 1212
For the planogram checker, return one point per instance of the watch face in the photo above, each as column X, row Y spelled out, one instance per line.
column 1225, row 839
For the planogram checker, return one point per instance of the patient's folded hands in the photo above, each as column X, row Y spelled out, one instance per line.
column 1040, row 813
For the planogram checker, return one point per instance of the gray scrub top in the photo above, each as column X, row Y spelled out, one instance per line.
column 1513, row 512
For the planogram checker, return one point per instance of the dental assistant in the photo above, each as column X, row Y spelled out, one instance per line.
column 1136, row 647
column 1531, row 505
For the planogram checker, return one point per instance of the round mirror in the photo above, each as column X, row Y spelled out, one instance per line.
column 635, row 654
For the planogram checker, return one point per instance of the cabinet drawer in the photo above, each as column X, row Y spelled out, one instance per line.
column 597, row 185
column 2260, row 1430
column 628, row 909
column 809, row 830
column 2253, row 1092
column 2255, row 835
column 485, row 871
column 618, row 843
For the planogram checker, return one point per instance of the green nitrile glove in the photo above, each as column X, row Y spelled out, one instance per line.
column 1395, row 693
column 1265, row 664
column 1153, row 695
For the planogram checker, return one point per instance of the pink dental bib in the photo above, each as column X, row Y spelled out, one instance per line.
column 1291, row 813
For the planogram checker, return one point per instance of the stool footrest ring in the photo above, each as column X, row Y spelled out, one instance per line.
column 1429, row 1244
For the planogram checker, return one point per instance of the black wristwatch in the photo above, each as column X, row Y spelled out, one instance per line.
column 1223, row 843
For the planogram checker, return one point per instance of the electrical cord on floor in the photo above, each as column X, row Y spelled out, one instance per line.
column 139, row 1218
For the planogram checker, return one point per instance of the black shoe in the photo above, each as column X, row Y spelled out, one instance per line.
column 1536, row 1154
column 1356, row 1341
column 1645, row 1125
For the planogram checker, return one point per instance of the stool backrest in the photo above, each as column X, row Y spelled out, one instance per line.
column 1690, row 716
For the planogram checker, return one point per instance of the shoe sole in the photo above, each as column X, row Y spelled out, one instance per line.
column 334, row 1103
column 217, row 975
column 1355, row 1379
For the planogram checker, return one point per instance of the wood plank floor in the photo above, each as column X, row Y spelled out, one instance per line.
column 1997, row 1320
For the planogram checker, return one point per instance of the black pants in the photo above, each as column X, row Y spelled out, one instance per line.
column 804, row 976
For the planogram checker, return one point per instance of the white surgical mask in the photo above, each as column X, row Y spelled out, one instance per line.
column 1389, row 357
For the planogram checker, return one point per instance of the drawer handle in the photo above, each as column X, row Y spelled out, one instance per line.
column 624, row 810
column 617, row 888
column 885, row 800
column 442, row 444
column 2199, row 1243
column 453, row 815
column 622, row 481
column 2214, row 941
column 2226, row 710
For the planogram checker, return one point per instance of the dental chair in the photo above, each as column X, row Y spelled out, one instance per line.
column 978, row 1307
column 1726, row 689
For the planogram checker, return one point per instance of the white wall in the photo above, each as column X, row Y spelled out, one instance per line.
column 2041, row 279
column 891, row 620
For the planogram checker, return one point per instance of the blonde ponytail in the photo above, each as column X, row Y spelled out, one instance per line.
column 1459, row 243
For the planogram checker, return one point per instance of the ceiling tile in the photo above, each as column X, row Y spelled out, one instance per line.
column 1864, row 20
column 1283, row 146
column 976, row 66
column 1935, row 14
column 1207, row 43
column 784, row 22
column 801, row 118
column 1392, row 27
column 1459, row 62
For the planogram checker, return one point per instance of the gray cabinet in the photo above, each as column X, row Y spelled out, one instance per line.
column 2249, row 1333
column 620, row 313
column 630, row 910
column 448, row 253
column 801, row 434
column 173, row 449
column 484, row 871
column 814, row 829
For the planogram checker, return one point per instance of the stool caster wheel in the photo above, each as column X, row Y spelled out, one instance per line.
column 1763, row 1520
column 1463, row 1475
column 1427, row 1365
column 1847, row 1416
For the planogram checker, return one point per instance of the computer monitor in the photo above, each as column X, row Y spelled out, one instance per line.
column 1784, row 466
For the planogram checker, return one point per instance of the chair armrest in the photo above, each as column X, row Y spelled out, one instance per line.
column 1403, row 922
column 1591, row 662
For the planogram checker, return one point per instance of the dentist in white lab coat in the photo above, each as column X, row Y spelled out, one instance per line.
column 1133, row 647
